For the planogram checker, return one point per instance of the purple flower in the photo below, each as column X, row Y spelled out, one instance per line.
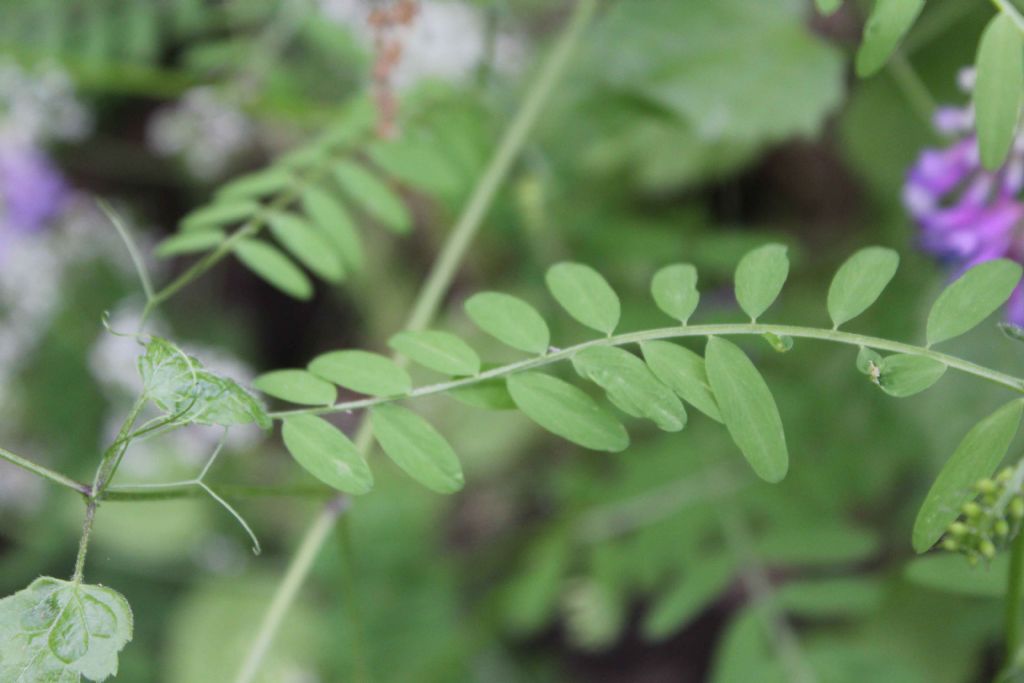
column 32, row 190
column 966, row 214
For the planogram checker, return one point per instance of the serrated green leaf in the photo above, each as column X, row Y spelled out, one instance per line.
column 258, row 184
column 684, row 372
column 307, row 245
column 296, row 386
column 760, row 275
column 888, row 23
column 970, row 299
column 903, row 374
column 859, row 282
column 373, row 195
column 698, row 588
column 747, row 408
column 326, row 453
column 436, row 350
column 220, row 214
column 565, row 410
column 179, row 385
column 674, row 289
column 275, row 268
column 56, row 631
column 952, row 574
column 631, row 385
column 335, row 223
column 362, row 371
column 998, row 89
column 510, row 320
column 188, row 243
column 585, row 295
column 977, row 457
column 415, row 446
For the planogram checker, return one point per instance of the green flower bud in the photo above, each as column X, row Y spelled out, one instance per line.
column 1017, row 508
column 1001, row 527
column 958, row 529
column 972, row 510
column 1005, row 475
column 988, row 549
column 950, row 545
column 985, row 486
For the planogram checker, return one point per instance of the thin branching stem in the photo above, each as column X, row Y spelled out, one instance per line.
column 131, row 246
column 44, row 472
column 729, row 329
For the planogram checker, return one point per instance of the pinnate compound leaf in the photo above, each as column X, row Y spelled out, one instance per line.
column 335, row 223
column 59, row 631
column 436, row 350
column 698, row 588
column 759, row 278
column 296, row 386
column 631, row 385
column 567, row 411
column 510, row 320
column 179, row 385
column 326, row 453
column 362, row 371
column 977, row 457
column 585, row 295
column 374, row 196
column 888, row 23
column 188, row 243
column 998, row 89
column 971, row 298
column 674, row 289
column 415, row 446
column 684, row 372
column 275, row 268
column 219, row 214
column 747, row 408
column 859, row 282
column 307, row 245
column 903, row 374
column 258, row 184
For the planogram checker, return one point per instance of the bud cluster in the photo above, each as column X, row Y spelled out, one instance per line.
column 990, row 521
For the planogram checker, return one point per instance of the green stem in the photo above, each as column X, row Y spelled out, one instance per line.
column 45, row 472
column 1007, row 8
column 728, row 329
column 115, row 453
column 83, row 543
column 913, row 88
column 1013, row 598
column 360, row 666
column 426, row 305
column 188, row 489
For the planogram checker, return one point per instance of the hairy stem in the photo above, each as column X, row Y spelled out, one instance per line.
column 115, row 453
column 1013, row 598
column 729, row 329
column 426, row 305
column 45, row 472
column 83, row 543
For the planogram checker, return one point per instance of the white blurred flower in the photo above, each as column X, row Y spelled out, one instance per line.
column 204, row 129
column 39, row 105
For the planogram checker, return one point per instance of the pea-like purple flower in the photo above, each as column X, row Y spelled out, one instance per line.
column 966, row 214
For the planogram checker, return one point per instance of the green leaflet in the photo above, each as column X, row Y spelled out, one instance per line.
column 297, row 386
column 179, row 385
column 817, row 542
column 415, row 446
column 684, row 372
column 828, row 7
column 259, row 184
column 631, row 385
column 271, row 265
column 888, row 23
column 759, row 278
column 585, row 295
column 335, row 223
column 971, row 298
column 56, row 631
column 868, row 360
column 952, row 574
column 674, row 289
column 307, row 245
column 998, row 89
column 439, row 351
column 189, row 243
column 565, row 410
column 903, row 375
column 326, row 453
column 699, row 587
column 977, row 457
column 510, row 320
column 747, row 408
column 220, row 214
column 420, row 162
column 491, row 394
column 845, row 597
column 744, row 652
column 362, row 371
column 373, row 195
column 859, row 282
